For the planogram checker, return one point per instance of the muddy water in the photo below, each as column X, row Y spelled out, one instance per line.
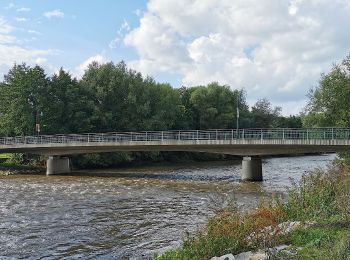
column 124, row 214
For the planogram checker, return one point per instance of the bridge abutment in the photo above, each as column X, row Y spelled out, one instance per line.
column 252, row 169
column 57, row 165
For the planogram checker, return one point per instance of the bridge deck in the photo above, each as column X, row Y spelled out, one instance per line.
column 243, row 142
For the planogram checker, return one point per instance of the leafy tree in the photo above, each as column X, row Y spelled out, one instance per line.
column 329, row 102
column 22, row 99
column 264, row 115
column 69, row 107
column 214, row 106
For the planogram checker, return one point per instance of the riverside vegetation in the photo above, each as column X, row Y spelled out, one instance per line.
column 110, row 97
column 320, row 202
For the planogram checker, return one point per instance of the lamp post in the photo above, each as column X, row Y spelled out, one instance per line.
column 237, row 116
column 37, row 125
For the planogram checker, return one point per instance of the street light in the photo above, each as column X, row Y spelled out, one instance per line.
column 37, row 125
column 237, row 116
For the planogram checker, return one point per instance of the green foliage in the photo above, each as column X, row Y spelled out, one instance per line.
column 110, row 97
column 313, row 197
column 320, row 199
column 264, row 115
column 22, row 99
column 328, row 104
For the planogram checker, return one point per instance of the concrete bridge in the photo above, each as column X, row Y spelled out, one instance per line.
column 251, row 144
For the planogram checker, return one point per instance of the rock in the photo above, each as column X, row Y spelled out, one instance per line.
column 260, row 255
column 224, row 257
column 243, row 256
column 272, row 231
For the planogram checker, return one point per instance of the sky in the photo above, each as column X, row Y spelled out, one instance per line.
column 274, row 49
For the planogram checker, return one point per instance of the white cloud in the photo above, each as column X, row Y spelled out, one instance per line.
column 23, row 9
column 10, row 6
column 123, row 29
column 79, row 70
column 274, row 49
column 40, row 61
column 21, row 19
column 57, row 13
column 34, row 32
column 11, row 52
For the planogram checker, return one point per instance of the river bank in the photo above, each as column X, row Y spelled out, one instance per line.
column 16, row 170
column 313, row 223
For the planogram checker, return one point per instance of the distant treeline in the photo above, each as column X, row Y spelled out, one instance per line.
column 110, row 97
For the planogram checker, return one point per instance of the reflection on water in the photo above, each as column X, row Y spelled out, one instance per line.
column 134, row 214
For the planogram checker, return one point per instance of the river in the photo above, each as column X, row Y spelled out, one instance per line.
column 128, row 213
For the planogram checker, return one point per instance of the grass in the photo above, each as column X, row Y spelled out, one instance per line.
column 321, row 198
column 5, row 156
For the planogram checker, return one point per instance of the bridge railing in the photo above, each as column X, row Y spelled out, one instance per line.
column 185, row 135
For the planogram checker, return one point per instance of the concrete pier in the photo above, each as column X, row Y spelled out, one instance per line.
column 252, row 169
column 57, row 165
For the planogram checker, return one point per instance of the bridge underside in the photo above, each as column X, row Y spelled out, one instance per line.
column 251, row 149
column 233, row 149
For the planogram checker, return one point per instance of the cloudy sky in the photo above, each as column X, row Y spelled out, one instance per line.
column 272, row 48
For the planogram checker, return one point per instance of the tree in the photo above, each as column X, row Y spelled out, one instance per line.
column 329, row 102
column 22, row 99
column 214, row 106
column 69, row 107
column 264, row 115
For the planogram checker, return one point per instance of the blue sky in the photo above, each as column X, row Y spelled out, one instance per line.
column 274, row 49
column 75, row 30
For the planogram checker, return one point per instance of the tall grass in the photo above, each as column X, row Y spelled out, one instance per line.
column 321, row 197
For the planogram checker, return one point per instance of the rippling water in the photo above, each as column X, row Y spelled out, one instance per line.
column 127, row 213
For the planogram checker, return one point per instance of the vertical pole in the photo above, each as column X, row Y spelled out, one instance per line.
column 197, row 135
column 261, row 133
column 283, row 133
column 237, row 117
column 179, row 135
column 162, row 136
column 332, row 133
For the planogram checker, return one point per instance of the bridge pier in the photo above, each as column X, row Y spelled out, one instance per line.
column 252, row 169
column 57, row 165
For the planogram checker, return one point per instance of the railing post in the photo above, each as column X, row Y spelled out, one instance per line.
column 261, row 134
column 179, row 137
column 332, row 133
column 283, row 133
column 197, row 135
column 216, row 133
column 146, row 136
column 231, row 135
column 242, row 134
column 162, row 136
column 307, row 134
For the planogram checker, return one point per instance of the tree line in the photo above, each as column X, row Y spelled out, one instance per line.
column 110, row 97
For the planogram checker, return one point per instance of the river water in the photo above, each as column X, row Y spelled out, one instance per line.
column 130, row 213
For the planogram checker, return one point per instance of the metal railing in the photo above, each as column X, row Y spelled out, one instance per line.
column 185, row 135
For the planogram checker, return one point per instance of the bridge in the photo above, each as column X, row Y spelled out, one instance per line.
column 251, row 144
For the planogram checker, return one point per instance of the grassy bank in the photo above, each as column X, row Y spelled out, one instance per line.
column 319, row 204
